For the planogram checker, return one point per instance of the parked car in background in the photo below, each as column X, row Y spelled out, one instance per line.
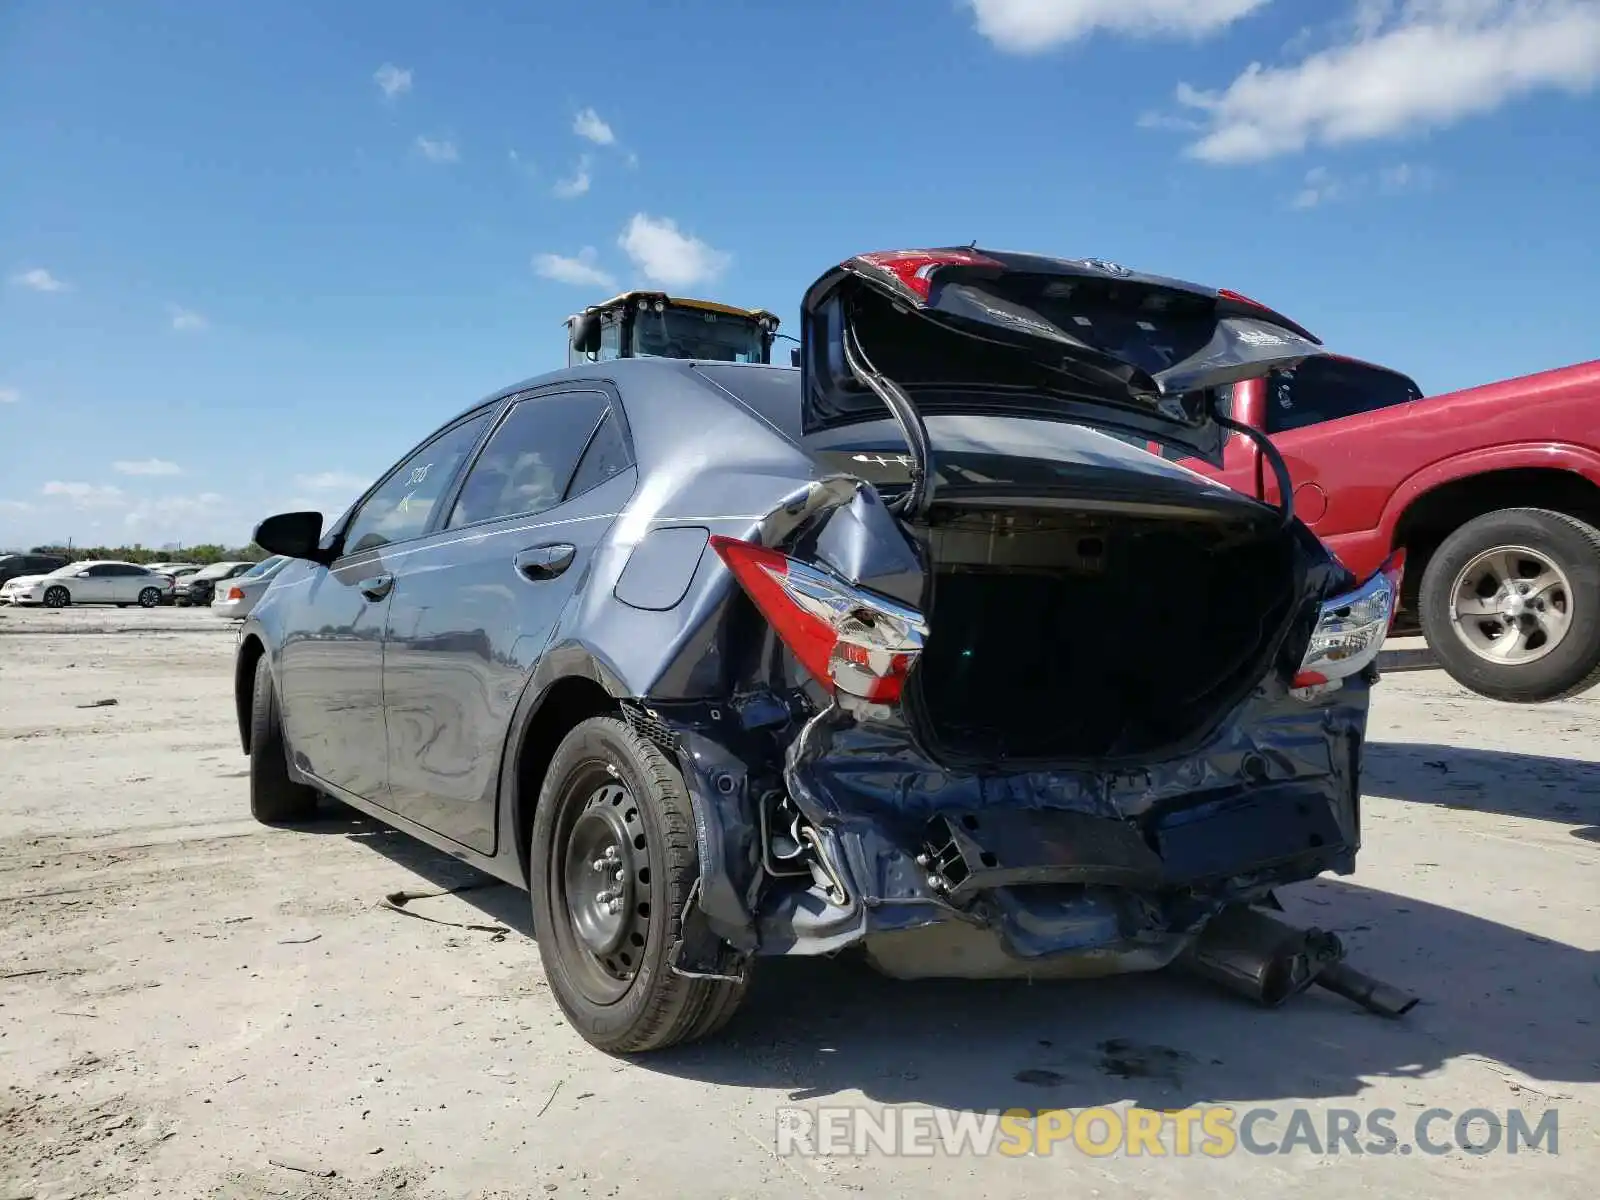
column 102, row 582
column 236, row 597
column 177, row 572
column 1492, row 492
column 199, row 588
column 14, row 565
column 911, row 662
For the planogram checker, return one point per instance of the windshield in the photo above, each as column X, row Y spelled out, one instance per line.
column 215, row 571
column 265, row 567
column 691, row 333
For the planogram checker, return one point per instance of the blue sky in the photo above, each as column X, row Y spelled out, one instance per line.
column 249, row 253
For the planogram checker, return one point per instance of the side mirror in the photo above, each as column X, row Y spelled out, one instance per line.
column 585, row 333
column 293, row 535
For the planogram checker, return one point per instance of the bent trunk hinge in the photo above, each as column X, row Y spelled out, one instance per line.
column 920, row 494
column 1280, row 469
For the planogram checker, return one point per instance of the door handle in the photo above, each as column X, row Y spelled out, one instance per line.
column 546, row 562
column 377, row 587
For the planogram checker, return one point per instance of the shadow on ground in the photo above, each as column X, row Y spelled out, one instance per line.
column 1564, row 790
column 812, row 1029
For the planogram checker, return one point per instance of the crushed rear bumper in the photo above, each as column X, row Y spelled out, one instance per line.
column 934, row 872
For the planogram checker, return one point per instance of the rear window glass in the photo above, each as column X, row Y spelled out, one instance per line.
column 1325, row 389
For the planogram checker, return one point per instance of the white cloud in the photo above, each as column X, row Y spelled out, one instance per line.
column 582, row 271
column 577, row 184
column 39, row 280
column 146, row 466
column 1321, row 186
column 668, row 256
column 20, row 506
column 1030, row 26
column 186, row 320
column 10, row 395
column 171, row 515
column 441, row 150
column 1409, row 65
column 587, row 124
column 392, row 80
column 84, row 495
column 332, row 481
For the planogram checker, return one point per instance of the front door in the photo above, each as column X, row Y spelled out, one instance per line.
column 476, row 602
column 330, row 670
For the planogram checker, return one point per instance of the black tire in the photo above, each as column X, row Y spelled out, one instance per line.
column 57, row 597
column 275, row 798
column 149, row 597
column 1573, row 664
column 644, row 1005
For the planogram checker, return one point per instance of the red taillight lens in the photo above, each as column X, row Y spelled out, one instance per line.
column 913, row 269
column 1240, row 298
column 235, row 593
column 851, row 641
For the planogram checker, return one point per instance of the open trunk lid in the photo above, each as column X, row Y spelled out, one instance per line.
column 997, row 333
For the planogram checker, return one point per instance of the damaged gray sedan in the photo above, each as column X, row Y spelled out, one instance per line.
column 917, row 651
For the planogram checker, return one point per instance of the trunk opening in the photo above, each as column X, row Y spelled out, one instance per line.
column 1064, row 636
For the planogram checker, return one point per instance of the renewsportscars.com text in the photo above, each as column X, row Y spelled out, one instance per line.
column 1208, row 1131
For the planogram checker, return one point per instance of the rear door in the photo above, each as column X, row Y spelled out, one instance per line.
column 475, row 604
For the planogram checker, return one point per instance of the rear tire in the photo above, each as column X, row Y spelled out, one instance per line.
column 57, row 597
column 275, row 798
column 1542, row 665
column 614, row 816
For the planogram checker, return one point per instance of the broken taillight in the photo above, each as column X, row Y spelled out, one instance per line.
column 850, row 640
column 913, row 269
column 1351, row 630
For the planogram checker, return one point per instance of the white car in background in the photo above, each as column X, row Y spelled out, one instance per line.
column 101, row 582
column 236, row 597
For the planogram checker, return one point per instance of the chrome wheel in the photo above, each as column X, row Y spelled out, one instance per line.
column 1511, row 605
column 605, row 883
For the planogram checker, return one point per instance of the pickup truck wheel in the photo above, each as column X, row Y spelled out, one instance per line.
column 612, row 861
column 1511, row 605
column 275, row 798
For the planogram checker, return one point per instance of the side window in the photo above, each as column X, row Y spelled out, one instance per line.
column 610, row 340
column 1327, row 389
column 525, row 466
column 105, row 570
column 401, row 506
column 606, row 456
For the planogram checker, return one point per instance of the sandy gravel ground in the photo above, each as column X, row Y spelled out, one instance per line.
column 194, row 1006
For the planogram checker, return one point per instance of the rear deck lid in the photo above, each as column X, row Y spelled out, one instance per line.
column 1002, row 334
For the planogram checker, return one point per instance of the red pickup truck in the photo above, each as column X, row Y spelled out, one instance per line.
column 1494, row 492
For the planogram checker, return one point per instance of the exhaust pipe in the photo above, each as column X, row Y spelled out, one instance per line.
column 1372, row 994
column 1258, row 956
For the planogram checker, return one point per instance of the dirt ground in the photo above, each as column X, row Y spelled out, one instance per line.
column 191, row 1005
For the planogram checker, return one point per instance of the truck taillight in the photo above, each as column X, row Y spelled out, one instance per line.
column 1351, row 630
column 850, row 640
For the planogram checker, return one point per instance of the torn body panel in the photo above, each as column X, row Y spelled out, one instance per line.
column 865, row 837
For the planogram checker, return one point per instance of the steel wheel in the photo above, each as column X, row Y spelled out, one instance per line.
column 1511, row 605
column 604, row 881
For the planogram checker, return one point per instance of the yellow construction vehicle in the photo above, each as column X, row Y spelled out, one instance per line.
column 655, row 325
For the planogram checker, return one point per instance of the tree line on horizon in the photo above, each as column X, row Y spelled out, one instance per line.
column 203, row 555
